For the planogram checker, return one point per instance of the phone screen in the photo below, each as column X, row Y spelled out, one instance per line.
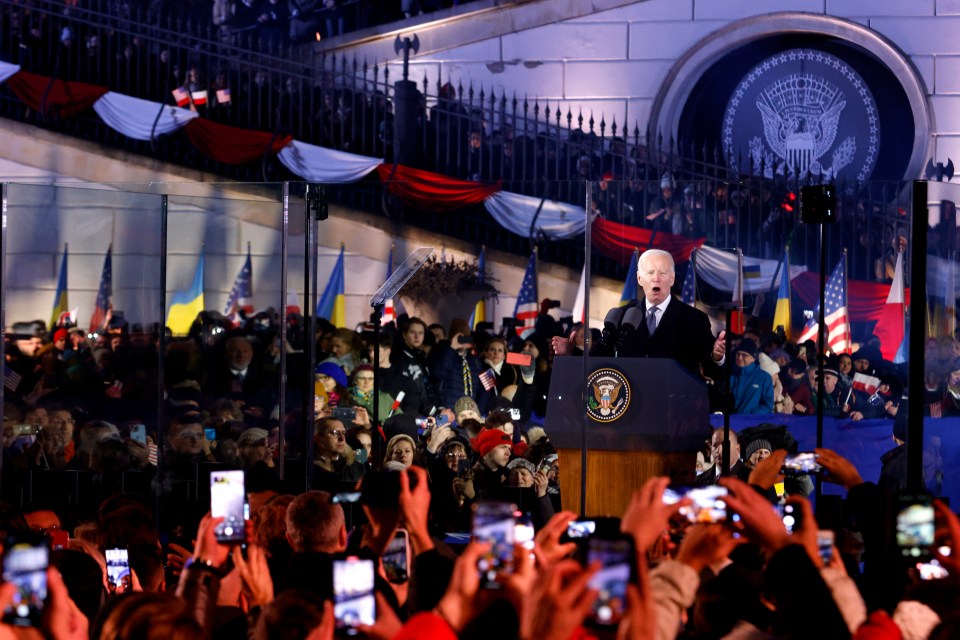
column 210, row 434
column 616, row 560
column 915, row 526
column 396, row 559
column 353, row 600
column 347, row 496
column 25, row 565
column 708, row 503
column 581, row 528
column 801, row 463
column 138, row 433
column 228, row 501
column 524, row 533
column 495, row 523
column 932, row 570
column 119, row 579
column 825, row 545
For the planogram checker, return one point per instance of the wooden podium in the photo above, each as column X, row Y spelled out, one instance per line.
column 646, row 417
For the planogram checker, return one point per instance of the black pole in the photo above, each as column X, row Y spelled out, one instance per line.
column 821, row 348
column 727, row 395
column 282, row 379
column 917, row 336
column 584, row 391
column 376, row 317
column 161, row 360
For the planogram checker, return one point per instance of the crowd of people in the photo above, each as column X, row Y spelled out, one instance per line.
column 423, row 431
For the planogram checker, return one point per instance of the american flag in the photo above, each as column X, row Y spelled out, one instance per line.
column 104, row 306
column 488, row 379
column 527, row 308
column 241, row 295
column 11, row 378
column 688, row 294
column 181, row 96
column 835, row 313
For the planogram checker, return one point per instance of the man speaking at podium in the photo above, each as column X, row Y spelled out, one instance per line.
column 658, row 326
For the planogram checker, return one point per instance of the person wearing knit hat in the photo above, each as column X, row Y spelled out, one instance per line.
column 521, row 473
column 61, row 335
column 757, row 451
column 454, row 371
column 833, row 405
column 334, row 381
column 751, row 387
column 466, row 408
column 490, row 474
column 252, row 445
column 334, row 371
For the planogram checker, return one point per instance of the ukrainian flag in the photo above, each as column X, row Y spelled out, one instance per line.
column 186, row 305
column 480, row 311
column 782, row 316
column 60, row 299
column 333, row 303
column 630, row 284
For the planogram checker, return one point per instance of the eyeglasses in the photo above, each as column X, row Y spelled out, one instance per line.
column 337, row 433
column 458, row 456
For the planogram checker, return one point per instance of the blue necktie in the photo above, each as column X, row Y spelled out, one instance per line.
column 652, row 320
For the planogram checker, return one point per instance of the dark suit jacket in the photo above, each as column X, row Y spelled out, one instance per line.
column 682, row 334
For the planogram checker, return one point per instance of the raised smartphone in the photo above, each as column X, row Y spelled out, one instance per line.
column 25, row 562
column 228, row 500
column 915, row 525
column 616, row 559
column 119, row 579
column 353, row 599
column 495, row 523
column 396, row 559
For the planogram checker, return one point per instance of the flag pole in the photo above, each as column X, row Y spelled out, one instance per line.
column 848, row 334
column 584, row 417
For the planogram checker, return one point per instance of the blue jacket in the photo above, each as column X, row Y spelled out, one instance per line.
column 752, row 389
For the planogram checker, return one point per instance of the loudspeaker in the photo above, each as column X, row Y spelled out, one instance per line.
column 818, row 204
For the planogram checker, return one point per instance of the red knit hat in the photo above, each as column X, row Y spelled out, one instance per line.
column 61, row 334
column 489, row 439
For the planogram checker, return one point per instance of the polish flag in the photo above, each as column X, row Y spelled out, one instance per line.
column 890, row 326
column 199, row 98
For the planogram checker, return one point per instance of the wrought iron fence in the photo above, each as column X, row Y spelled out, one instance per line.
column 533, row 147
